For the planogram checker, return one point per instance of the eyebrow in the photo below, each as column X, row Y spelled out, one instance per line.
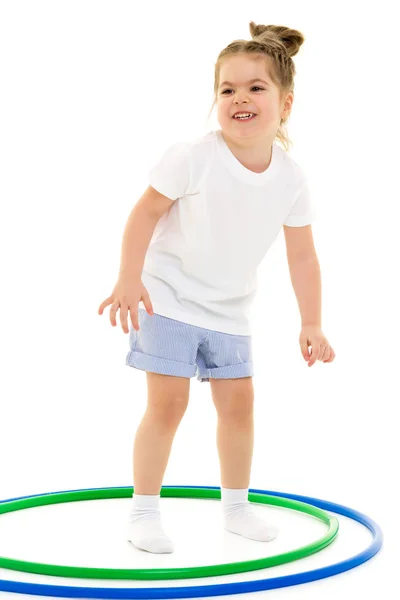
column 251, row 81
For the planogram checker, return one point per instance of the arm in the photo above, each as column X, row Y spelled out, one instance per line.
column 139, row 230
column 304, row 273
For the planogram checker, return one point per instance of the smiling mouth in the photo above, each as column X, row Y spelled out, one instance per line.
column 253, row 116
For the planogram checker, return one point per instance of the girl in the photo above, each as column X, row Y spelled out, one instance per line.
column 190, row 253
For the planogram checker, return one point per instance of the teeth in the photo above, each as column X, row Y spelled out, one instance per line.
column 243, row 115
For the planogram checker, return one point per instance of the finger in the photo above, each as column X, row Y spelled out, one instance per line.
column 104, row 304
column 147, row 303
column 113, row 312
column 123, row 316
column 314, row 356
column 326, row 354
column 134, row 317
column 322, row 351
column 331, row 356
column 304, row 348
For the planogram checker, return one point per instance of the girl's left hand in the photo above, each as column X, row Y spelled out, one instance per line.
column 311, row 335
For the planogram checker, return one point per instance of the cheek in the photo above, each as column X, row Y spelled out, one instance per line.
column 223, row 108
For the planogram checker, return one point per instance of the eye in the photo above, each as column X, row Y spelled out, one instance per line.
column 254, row 86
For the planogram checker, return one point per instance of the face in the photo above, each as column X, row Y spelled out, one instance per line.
column 241, row 94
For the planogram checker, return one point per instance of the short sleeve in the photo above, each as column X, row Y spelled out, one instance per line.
column 303, row 210
column 171, row 174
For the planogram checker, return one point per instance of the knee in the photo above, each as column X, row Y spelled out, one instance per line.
column 168, row 409
column 238, row 408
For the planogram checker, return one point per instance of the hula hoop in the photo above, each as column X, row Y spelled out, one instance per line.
column 218, row 589
column 175, row 573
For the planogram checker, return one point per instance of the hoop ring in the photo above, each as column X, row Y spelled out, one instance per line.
column 208, row 590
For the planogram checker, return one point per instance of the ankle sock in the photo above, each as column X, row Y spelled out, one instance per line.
column 145, row 529
column 239, row 516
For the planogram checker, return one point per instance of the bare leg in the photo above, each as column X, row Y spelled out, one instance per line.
column 168, row 399
column 234, row 399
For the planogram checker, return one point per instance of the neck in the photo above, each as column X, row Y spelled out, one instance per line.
column 254, row 154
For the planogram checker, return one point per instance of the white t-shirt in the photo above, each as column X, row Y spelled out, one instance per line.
column 201, row 264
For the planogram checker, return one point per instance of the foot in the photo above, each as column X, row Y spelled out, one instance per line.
column 149, row 535
column 245, row 523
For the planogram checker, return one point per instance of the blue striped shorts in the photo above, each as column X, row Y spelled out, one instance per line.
column 163, row 345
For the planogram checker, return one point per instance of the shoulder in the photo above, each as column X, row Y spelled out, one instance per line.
column 292, row 169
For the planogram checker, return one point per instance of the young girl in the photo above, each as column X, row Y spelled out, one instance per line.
column 190, row 253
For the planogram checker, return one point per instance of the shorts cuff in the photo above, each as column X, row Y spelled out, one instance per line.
column 227, row 372
column 155, row 364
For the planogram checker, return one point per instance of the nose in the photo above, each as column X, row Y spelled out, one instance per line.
column 240, row 95
column 238, row 100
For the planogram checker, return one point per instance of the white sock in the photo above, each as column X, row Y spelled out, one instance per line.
column 145, row 529
column 239, row 516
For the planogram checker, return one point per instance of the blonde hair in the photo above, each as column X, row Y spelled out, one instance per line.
column 276, row 45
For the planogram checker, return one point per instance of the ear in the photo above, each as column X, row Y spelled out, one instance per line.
column 287, row 105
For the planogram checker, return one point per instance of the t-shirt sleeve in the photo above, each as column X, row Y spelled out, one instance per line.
column 303, row 211
column 171, row 174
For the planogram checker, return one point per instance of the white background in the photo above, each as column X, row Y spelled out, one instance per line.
column 92, row 94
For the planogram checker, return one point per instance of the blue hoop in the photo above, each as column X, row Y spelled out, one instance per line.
column 219, row 589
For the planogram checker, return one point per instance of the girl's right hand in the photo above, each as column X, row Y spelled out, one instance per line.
column 126, row 295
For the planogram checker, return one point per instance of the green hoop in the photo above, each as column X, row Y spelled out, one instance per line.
column 176, row 573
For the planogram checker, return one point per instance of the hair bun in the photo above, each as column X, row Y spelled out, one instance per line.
column 290, row 38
